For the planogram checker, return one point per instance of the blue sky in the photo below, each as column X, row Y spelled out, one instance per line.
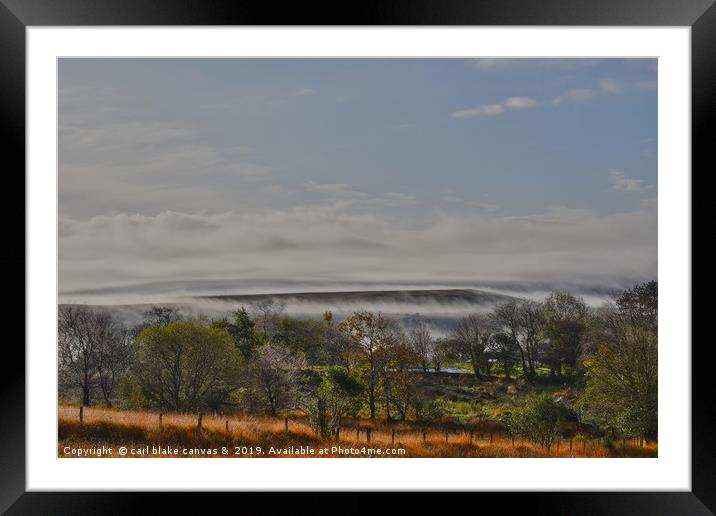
column 378, row 149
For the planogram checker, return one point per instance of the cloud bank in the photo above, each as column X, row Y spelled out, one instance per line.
column 348, row 242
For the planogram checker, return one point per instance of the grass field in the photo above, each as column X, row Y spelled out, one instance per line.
column 178, row 435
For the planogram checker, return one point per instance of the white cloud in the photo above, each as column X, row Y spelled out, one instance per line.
column 509, row 104
column 520, row 103
column 625, row 184
column 605, row 87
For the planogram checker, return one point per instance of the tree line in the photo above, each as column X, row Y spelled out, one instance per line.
column 262, row 360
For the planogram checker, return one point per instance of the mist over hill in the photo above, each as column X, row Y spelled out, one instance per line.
column 439, row 308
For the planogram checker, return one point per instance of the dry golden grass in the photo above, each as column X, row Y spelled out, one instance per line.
column 136, row 429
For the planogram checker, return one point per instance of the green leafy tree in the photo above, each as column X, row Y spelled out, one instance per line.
column 504, row 348
column 242, row 332
column 566, row 319
column 399, row 377
column 641, row 304
column 369, row 332
column 333, row 345
column 301, row 336
column 622, row 374
column 186, row 366
column 339, row 394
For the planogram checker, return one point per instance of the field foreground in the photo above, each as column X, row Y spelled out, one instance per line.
column 107, row 432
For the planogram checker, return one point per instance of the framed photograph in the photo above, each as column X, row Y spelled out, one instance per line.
column 414, row 249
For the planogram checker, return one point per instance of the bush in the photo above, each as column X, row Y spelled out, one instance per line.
column 539, row 420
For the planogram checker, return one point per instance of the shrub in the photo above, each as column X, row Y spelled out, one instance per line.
column 538, row 420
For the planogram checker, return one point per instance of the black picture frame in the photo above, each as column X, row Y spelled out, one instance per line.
column 17, row 15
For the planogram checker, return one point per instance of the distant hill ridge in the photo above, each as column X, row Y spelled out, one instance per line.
column 357, row 296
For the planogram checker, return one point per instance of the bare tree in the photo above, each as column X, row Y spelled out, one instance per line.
column 268, row 312
column 442, row 352
column 93, row 351
column 161, row 316
column 472, row 336
column 421, row 342
column 531, row 324
column 274, row 372
column 113, row 360
column 507, row 316
column 156, row 316
column 522, row 321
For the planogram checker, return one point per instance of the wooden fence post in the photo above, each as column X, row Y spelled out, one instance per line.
column 513, row 441
column 570, row 445
column 357, row 432
column 471, row 436
column 558, row 442
column 446, row 436
column 227, row 426
column 161, row 424
column 285, row 424
column 367, row 433
column 198, row 423
column 82, row 411
column 490, row 438
column 392, row 436
column 425, row 435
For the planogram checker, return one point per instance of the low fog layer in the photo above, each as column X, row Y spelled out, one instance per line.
column 331, row 246
column 439, row 309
